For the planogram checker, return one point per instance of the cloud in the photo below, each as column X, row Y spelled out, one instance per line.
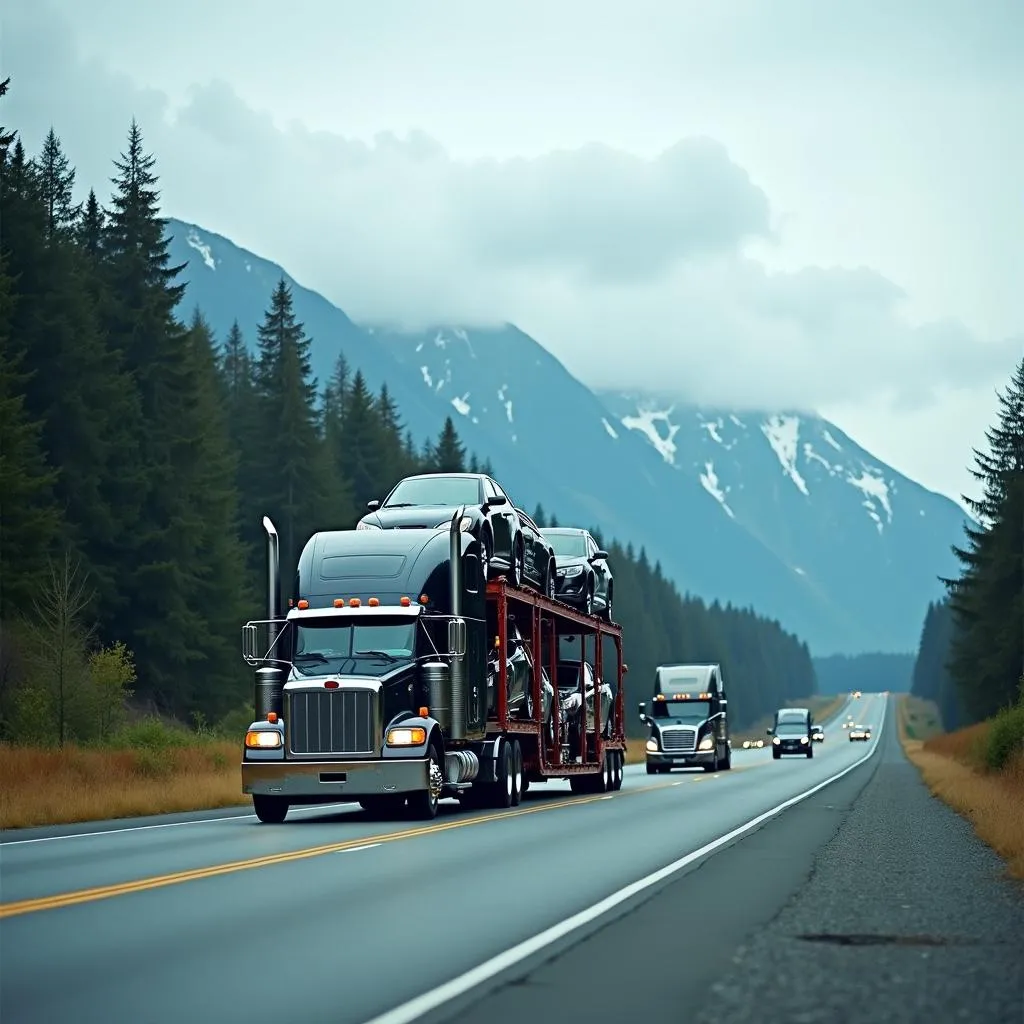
column 634, row 272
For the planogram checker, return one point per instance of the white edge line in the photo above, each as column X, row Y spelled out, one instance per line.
column 144, row 828
column 356, row 849
column 420, row 1005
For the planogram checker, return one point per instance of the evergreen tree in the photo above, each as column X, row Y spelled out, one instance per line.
column 286, row 395
column 30, row 519
column 987, row 601
column 449, row 456
column 539, row 517
column 56, row 182
column 361, row 444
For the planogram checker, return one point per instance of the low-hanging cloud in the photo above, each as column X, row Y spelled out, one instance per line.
column 634, row 272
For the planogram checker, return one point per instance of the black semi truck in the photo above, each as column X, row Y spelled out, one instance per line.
column 688, row 719
column 400, row 676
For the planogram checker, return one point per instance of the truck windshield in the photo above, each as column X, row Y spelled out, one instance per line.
column 791, row 728
column 435, row 490
column 569, row 545
column 689, row 710
column 369, row 647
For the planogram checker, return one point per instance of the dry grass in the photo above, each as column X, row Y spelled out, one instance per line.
column 951, row 765
column 51, row 787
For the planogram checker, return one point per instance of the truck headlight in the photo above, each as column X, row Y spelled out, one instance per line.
column 652, row 745
column 803, row 739
column 262, row 739
column 708, row 743
column 366, row 526
column 414, row 737
column 776, row 740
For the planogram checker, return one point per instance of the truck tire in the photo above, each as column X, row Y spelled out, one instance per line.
column 424, row 804
column 501, row 789
column 651, row 770
column 775, row 755
column 271, row 810
column 810, row 751
column 517, row 773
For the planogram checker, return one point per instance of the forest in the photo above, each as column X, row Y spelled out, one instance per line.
column 843, row 673
column 138, row 454
column 971, row 656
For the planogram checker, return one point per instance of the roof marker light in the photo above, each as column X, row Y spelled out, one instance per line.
column 373, row 602
column 339, row 602
column 424, row 599
column 354, row 602
column 405, row 602
column 303, row 605
column 271, row 717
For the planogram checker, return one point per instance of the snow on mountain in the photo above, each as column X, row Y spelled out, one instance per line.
column 776, row 511
column 835, row 514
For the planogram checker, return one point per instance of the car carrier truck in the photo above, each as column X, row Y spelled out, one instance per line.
column 688, row 719
column 399, row 676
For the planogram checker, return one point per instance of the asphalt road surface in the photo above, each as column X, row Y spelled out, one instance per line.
column 333, row 917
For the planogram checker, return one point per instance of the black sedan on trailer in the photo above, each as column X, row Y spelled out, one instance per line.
column 429, row 500
column 584, row 575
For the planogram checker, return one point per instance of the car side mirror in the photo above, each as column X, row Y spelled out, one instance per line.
column 598, row 555
column 768, row 732
column 499, row 500
column 372, row 506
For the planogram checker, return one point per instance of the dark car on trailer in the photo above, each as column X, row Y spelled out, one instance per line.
column 429, row 500
column 584, row 576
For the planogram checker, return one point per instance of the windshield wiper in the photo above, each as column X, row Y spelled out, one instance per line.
column 311, row 656
column 401, row 504
column 377, row 654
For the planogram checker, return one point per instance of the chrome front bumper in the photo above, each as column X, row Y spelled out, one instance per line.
column 337, row 780
column 662, row 759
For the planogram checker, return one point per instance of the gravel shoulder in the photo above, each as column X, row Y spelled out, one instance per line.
column 871, row 901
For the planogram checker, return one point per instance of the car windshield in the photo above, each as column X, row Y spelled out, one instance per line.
column 688, row 710
column 435, row 490
column 372, row 648
column 569, row 545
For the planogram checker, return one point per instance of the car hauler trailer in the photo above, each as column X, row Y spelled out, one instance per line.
column 399, row 676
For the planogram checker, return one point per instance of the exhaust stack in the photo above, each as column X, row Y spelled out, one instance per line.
column 457, row 632
column 270, row 676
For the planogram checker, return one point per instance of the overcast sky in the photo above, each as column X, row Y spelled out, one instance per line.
column 807, row 204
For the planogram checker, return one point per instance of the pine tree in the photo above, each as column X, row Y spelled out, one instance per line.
column 30, row 519
column 6, row 135
column 538, row 516
column 449, row 456
column 90, row 229
column 362, row 444
column 57, row 182
column 987, row 601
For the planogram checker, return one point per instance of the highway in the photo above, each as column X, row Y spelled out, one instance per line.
column 333, row 917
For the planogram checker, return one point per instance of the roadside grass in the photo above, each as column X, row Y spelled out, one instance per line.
column 958, row 769
column 148, row 769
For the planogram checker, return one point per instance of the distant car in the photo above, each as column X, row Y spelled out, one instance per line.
column 429, row 500
column 817, row 734
column 860, row 732
column 584, row 575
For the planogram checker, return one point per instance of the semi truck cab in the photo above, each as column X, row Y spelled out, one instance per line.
column 688, row 720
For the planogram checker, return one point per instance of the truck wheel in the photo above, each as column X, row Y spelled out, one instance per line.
column 810, row 751
column 424, row 804
column 501, row 788
column 271, row 810
column 775, row 755
column 517, row 773
column 651, row 770
column 728, row 760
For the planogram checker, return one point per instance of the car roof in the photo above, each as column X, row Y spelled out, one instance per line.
column 563, row 529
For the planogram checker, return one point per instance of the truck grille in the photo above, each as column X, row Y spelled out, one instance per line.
column 331, row 722
column 679, row 741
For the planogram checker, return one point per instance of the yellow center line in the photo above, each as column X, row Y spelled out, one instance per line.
column 69, row 899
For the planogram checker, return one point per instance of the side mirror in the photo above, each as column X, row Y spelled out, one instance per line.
column 643, row 709
column 597, row 556
column 372, row 506
column 499, row 500
column 768, row 732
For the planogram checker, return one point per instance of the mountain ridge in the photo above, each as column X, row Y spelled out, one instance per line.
column 590, row 457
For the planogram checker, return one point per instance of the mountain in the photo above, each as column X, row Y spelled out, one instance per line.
column 600, row 460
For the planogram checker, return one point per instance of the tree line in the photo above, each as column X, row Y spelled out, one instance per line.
column 875, row 671
column 138, row 454
column 971, row 655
